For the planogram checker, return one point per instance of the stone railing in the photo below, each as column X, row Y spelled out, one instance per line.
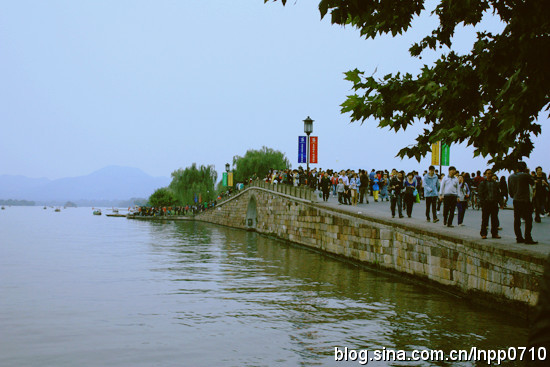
column 301, row 192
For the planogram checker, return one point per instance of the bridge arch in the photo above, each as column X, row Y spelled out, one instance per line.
column 251, row 214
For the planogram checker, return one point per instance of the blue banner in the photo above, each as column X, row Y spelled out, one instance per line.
column 302, row 149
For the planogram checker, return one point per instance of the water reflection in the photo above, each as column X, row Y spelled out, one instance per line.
column 84, row 290
column 320, row 302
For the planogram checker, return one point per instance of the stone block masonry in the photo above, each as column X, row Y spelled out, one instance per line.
column 493, row 273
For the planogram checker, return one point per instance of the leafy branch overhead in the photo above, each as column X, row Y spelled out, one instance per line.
column 489, row 98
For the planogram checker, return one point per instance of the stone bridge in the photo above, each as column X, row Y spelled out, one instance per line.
column 466, row 267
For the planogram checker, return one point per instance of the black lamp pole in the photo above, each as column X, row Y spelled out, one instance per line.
column 308, row 129
column 227, row 170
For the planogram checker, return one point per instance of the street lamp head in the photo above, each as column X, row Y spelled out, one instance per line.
column 308, row 125
column 227, row 167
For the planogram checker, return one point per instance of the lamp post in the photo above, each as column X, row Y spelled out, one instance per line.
column 308, row 129
column 229, row 179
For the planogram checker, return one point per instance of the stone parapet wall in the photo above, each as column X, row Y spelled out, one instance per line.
column 467, row 266
column 300, row 192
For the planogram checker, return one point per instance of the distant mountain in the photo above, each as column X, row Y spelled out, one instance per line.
column 107, row 184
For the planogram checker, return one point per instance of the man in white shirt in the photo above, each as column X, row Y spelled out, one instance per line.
column 344, row 178
column 448, row 192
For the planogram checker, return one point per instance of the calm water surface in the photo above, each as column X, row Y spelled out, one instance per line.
column 83, row 290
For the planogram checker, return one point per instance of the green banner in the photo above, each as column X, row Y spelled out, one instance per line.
column 445, row 155
column 224, row 179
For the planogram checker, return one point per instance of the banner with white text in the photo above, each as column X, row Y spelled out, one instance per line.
column 302, row 155
column 313, row 148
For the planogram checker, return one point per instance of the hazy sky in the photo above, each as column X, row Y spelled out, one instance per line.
column 159, row 85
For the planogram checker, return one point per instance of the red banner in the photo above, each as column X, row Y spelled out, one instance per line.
column 313, row 146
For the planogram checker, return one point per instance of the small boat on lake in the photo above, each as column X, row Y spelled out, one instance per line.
column 3, row 207
column 97, row 212
column 57, row 210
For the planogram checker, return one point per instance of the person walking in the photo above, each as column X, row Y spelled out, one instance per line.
column 396, row 188
column 448, row 192
column 334, row 182
column 503, row 192
column 546, row 201
column 439, row 200
column 340, row 190
column 463, row 195
column 410, row 193
column 347, row 195
column 403, row 192
column 540, row 193
column 325, row 186
column 371, row 180
column 364, row 188
column 384, row 182
column 489, row 196
column 354, row 185
column 431, row 190
column 344, row 178
column 375, row 188
column 518, row 188
column 419, row 184
column 296, row 178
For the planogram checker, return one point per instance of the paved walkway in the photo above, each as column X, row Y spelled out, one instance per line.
column 472, row 221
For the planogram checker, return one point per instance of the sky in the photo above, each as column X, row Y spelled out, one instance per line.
column 161, row 85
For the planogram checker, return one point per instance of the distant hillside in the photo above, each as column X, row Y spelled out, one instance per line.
column 17, row 202
column 107, row 184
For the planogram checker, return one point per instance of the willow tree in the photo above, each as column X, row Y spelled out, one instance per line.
column 490, row 97
column 194, row 182
column 258, row 163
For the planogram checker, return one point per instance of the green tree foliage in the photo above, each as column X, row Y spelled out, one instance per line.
column 220, row 187
column 258, row 162
column 490, row 97
column 162, row 197
column 186, row 183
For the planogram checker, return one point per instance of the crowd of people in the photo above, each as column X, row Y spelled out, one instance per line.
column 165, row 211
column 455, row 191
column 189, row 209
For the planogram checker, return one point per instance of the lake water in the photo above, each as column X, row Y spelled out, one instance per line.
column 84, row 290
